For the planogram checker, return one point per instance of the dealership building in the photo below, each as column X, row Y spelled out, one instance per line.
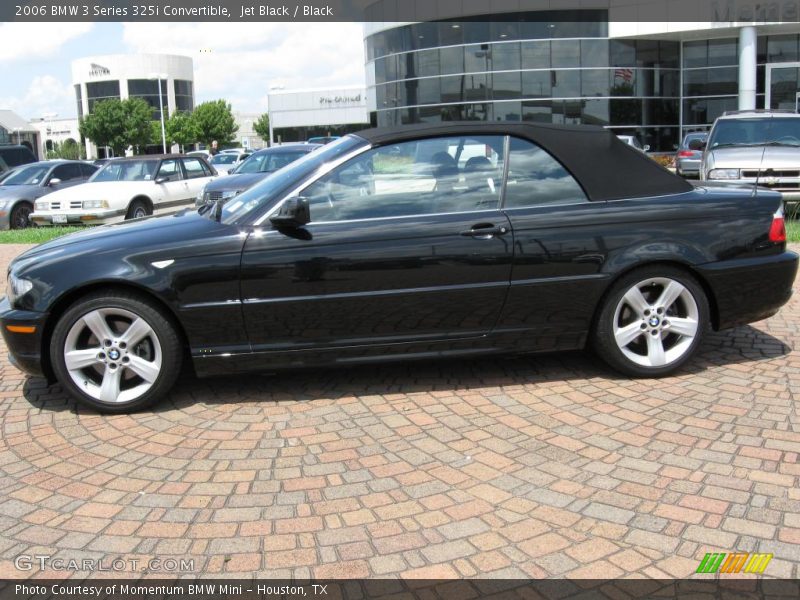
column 122, row 76
column 296, row 115
column 654, row 80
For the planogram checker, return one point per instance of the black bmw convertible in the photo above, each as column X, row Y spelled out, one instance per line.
column 446, row 240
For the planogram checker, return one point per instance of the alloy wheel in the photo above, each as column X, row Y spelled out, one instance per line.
column 21, row 217
column 655, row 322
column 113, row 355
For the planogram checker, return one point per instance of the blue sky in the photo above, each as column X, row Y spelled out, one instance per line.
column 239, row 63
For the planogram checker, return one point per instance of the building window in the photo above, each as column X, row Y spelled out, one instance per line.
column 184, row 95
column 79, row 98
column 97, row 91
column 147, row 90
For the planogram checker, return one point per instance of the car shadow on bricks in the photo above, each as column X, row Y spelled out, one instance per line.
column 745, row 344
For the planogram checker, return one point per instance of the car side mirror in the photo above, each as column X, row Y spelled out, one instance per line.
column 646, row 148
column 697, row 145
column 54, row 181
column 161, row 179
column 294, row 213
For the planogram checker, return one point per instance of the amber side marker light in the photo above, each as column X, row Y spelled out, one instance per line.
column 21, row 328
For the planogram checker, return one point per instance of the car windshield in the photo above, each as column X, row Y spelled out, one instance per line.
column 127, row 170
column 28, row 176
column 269, row 161
column 284, row 179
column 223, row 159
column 756, row 132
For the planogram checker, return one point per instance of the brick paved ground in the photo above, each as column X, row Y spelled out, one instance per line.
column 526, row 467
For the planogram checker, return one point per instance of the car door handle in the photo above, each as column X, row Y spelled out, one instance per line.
column 485, row 231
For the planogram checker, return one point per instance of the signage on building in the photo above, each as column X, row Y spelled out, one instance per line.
column 336, row 100
column 98, row 70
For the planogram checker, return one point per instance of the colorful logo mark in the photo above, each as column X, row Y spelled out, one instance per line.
column 738, row 562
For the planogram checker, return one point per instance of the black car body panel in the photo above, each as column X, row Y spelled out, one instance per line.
column 247, row 295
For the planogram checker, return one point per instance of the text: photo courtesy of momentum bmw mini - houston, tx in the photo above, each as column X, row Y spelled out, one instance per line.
column 414, row 242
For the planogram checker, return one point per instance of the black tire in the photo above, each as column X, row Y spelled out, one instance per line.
column 603, row 339
column 136, row 210
column 19, row 217
column 162, row 326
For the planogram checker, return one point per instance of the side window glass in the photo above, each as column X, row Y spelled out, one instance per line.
column 194, row 168
column 73, row 171
column 62, row 172
column 535, row 178
column 88, row 170
column 421, row 177
column 170, row 170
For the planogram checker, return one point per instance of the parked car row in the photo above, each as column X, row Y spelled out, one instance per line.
column 25, row 185
column 127, row 188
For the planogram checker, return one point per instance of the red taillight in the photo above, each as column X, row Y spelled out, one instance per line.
column 686, row 153
column 777, row 231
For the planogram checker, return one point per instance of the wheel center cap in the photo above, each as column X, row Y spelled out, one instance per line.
column 654, row 321
column 113, row 354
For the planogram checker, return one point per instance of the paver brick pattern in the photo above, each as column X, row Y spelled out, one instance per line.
column 514, row 467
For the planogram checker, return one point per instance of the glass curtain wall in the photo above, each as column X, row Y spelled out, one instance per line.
column 548, row 72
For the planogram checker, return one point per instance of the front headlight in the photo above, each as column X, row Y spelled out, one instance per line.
column 199, row 197
column 41, row 205
column 17, row 287
column 723, row 174
column 94, row 204
column 3, row 204
column 229, row 194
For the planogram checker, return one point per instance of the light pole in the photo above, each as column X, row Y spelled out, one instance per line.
column 158, row 77
column 19, row 138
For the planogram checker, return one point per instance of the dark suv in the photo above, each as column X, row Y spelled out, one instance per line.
column 14, row 156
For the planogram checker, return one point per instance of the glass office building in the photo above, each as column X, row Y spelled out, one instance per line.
column 122, row 76
column 573, row 67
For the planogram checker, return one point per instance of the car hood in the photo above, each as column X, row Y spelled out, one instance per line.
column 150, row 233
column 236, row 181
column 752, row 157
column 101, row 190
column 17, row 191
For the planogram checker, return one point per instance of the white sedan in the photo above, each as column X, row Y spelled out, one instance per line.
column 127, row 188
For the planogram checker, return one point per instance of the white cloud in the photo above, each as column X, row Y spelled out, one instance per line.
column 45, row 94
column 240, row 61
column 33, row 41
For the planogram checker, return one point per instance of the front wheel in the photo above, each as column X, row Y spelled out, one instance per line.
column 651, row 322
column 115, row 353
column 136, row 210
column 20, row 216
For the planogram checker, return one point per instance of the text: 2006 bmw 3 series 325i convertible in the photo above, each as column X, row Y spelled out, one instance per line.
column 417, row 242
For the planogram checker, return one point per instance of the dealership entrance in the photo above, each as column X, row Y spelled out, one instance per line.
column 782, row 86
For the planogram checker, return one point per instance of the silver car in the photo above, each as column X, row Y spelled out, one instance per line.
column 21, row 189
column 755, row 147
column 687, row 161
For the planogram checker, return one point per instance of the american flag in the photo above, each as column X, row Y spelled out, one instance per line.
column 625, row 74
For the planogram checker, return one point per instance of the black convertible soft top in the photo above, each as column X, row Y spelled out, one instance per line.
column 606, row 167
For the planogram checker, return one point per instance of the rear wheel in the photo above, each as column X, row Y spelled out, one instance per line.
column 652, row 321
column 20, row 216
column 115, row 353
column 137, row 210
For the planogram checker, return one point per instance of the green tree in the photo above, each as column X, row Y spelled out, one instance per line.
column 68, row 149
column 214, row 121
column 119, row 124
column 261, row 126
column 181, row 129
